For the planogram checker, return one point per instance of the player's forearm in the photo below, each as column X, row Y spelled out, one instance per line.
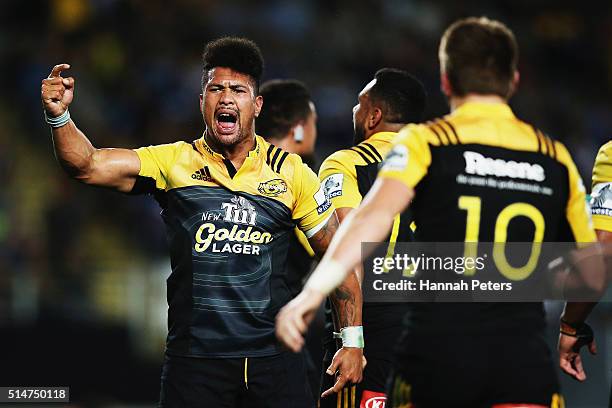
column 347, row 302
column 73, row 150
column 577, row 312
column 366, row 224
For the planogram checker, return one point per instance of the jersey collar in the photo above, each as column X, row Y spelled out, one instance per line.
column 205, row 149
column 500, row 110
column 382, row 136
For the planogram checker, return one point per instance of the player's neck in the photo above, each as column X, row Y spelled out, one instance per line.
column 456, row 101
column 386, row 127
column 284, row 144
column 236, row 153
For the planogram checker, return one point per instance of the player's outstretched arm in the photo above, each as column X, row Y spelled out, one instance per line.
column 371, row 222
column 112, row 168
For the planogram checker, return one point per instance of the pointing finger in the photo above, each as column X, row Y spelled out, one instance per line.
column 567, row 367
column 57, row 70
column 577, row 364
column 337, row 386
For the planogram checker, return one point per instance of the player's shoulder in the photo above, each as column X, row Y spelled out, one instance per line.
column 376, row 147
column 434, row 133
column 169, row 147
column 166, row 152
column 602, row 169
column 343, row 161
column 279, row 161
column 605, row 152
column 344, row 157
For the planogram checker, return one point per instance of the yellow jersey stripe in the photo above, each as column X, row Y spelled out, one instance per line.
column 277, row 153
column 450, row 139
column 269, row 153
column 452, row 128
column 374, row 151
column 367, row 153
column 552, row 147
column 544, row 144
column 435, row 132
column 363, row 156
column 535, row 132
column 281, row 161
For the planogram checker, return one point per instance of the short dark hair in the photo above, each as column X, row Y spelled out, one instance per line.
column 239, row 54
column 400, row 94
column 286, row 102
column 479, row 55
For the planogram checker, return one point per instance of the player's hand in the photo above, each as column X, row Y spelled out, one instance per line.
column 349, row 362
column 57, row 92
column 569, row 355
column 294, row 318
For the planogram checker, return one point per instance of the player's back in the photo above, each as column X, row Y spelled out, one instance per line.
column 490, row 170
column 482, row 175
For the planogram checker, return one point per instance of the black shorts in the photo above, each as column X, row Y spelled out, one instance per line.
column 274, row 381
column 477, row 370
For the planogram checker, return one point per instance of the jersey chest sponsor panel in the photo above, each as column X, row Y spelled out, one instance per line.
column 228, row 235
column 469, row 187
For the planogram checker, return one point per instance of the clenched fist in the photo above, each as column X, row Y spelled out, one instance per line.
column 57, row 92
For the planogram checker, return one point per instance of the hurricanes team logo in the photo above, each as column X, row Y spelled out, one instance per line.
column 273, row 188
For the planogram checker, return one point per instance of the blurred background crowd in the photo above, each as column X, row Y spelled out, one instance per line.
column 82, row 270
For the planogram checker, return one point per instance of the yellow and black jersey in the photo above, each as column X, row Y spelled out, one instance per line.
column 601, row 195
column 481, row 175
column 480, row 166
column 347, row 176
column 228, row 234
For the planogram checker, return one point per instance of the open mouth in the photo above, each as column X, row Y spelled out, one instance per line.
column 226, row 121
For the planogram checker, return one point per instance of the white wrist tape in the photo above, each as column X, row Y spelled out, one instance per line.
column 327, row 276
column 352, row 336
column 58, row 121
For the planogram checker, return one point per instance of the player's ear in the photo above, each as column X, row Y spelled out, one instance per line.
column 202, row 104
column 376, row 117
column 516, row 78
column 445, row 85
column 258, row 104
